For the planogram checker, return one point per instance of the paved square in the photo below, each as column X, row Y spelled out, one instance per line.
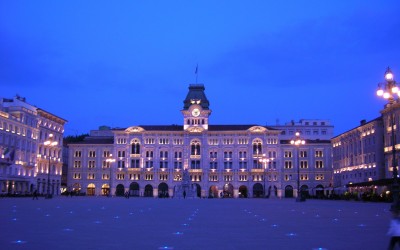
column 147, row 223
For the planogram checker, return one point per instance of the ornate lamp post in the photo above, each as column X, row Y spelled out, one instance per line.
column 50, row 143
column 265, row 160
column 110, row 160
column 389, row 91
column 297, row 141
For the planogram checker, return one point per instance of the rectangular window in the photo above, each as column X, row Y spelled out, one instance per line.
column 288, row 154
column 303, row 164
column 319, row 164
column 121, row 164
column 77, row 164
column 121, row 153
column 213, row 178
column 195, row 164
column 303, row 153
column 135, row 163
column 78, row 153
column 92, row 153
column 319, row 153
column 91, row 164
column 288, row 164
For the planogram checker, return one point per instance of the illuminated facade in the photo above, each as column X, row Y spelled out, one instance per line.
column 227, row 160
column 363, row 156
column 357, row 154
column 24, row 159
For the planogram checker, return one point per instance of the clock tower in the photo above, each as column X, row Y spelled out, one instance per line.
column 196, row 109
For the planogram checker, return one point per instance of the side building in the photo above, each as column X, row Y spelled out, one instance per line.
column 358, row 159
column 222, row 160
column 24, row 157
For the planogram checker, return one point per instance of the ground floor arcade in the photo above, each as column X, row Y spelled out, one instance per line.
column 226, row 190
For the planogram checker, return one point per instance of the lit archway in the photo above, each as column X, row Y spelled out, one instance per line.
column 213, row 192
column 91, row 190
column 228, row 190
column 258, row 190
column 105, row 189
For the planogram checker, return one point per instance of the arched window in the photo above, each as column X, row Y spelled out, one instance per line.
column 135, row 147
column 195, row 147
column 257, row 147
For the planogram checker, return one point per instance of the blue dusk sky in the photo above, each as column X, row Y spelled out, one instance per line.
column 125, row 63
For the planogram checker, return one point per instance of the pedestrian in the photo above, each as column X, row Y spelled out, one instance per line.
column 184, row 194
column 35, row 195
column 394, row 229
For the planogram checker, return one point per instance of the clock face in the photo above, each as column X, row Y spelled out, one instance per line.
column 195, row 112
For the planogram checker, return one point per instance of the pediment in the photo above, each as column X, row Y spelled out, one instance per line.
column 257, row 129
column 134, row 129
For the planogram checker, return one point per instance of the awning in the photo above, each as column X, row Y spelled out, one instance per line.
column 381, row 182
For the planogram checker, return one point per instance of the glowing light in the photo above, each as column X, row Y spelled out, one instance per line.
column 389, row 75
column 386, row 95
column 395, row 89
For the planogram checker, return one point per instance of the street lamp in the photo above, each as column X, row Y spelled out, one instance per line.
column 110, row 160
column 389, row 91
column 265, row 160
column 297, row 141
column 50, row 143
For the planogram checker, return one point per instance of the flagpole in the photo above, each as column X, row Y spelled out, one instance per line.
column 196, row 72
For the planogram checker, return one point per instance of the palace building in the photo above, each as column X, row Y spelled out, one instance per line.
column 25, row 156
column 245, row 160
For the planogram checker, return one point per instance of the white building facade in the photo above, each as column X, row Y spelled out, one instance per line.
column 222, row 160
column 358, row 155
column 24, row 159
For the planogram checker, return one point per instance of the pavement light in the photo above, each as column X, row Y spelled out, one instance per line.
column 18, row 242
column 319, row 248
column 291, row 234
column 68, row 229
column 165, row 247
column 116, row 217
column 185, row 224
column 335, row 220
column 263, row 219
column 47, row 215
column 14, row 219
column 361, row 225
column 274, row 225
column 178, row 233
column 97, row 222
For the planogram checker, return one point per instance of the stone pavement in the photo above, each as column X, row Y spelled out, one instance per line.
column 151, row 223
